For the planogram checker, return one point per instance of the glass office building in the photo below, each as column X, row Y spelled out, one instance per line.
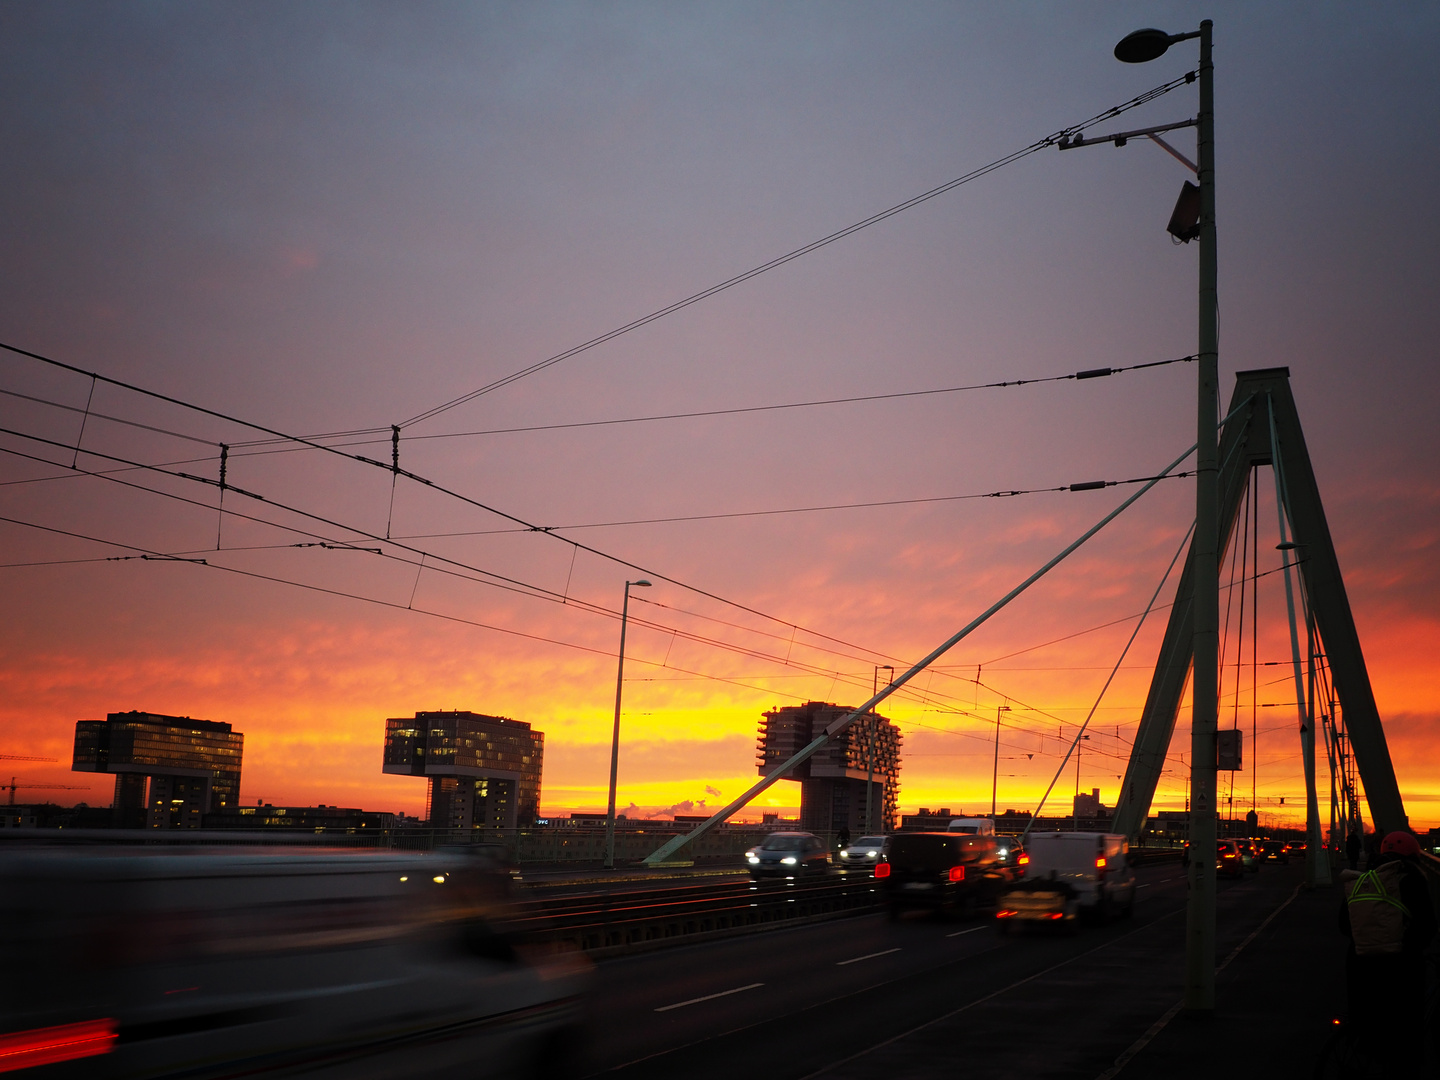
column 484, row 771
column 169, row 770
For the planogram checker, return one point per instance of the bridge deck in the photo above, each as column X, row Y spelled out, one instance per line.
column 863, row 998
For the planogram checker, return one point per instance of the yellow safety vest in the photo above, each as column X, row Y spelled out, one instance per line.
column 1377, row 916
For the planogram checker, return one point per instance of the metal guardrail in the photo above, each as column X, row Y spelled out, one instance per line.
column 621, row 922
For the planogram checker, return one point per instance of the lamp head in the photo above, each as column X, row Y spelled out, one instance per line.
column 1144, row 45
column 642, row 583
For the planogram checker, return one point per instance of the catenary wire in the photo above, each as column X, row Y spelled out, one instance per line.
column 800, row 252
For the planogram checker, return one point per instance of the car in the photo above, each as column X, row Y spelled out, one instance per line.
column 789, row 855
column 946, row 872
column 1249, row 855
column 1069, row 875
column 1276, row 851
column 1012, row 857
column 863, row 855
column 1228, row 860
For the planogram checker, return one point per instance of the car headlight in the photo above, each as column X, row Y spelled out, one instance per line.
column 753, row 858
column 789, row 860
column 844, row 854
column 871, row 854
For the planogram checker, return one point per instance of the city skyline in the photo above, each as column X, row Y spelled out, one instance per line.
column 338, row 223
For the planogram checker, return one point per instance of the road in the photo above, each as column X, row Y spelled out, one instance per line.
column 863, row 997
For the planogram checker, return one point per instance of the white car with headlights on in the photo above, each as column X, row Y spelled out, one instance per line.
column 864, row 855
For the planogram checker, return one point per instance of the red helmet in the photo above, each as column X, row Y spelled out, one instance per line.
column 1400, row 843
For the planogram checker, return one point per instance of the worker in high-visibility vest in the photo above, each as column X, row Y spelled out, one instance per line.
column 1389, row 916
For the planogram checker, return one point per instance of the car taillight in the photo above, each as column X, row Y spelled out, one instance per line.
column 882, row 869
column 1024, row 860
column 957, row 873
column 1004, row 914
column 1057, row 915
column 45, row 1046
column 1100, row 863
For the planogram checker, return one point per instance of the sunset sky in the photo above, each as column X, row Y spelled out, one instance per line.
column 333, row 218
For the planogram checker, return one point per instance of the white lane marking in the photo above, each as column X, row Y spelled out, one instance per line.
column 867, row 956
column 1145, row 886
column 707, row 997
column 972, row 930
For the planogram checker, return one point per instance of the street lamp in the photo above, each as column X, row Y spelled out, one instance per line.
column 1137, row 48
column 874, row 731
column 995, row 775
column 615, row 737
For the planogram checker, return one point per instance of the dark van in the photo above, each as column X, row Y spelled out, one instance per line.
column 943, row 871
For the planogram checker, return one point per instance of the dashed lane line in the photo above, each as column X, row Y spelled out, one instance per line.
column 708, row 997
column 867, row 956
column 972, row 930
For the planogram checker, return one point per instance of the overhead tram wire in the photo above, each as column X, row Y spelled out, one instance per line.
column 800, row 252
column 1092, row 373
column 1093, row 485
column 489, row 578
column 810, row 669
column 154, row 554
column 244, row 447
column 435, row 565
column 529, row 526
column 527, row 589
column 162, row 557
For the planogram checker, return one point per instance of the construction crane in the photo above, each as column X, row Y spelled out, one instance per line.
column 22, row 757
column 34, row 787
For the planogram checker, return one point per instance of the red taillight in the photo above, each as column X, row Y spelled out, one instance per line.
column 957, row 873
column 1057, row 915
column 1004, row 914
column 882, row 869
column 1100, row 863
column 1024, row 860
column 45, row 1046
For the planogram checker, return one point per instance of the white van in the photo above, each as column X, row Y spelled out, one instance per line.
column 1070, row 874
column 139, row 961
column 975, row 826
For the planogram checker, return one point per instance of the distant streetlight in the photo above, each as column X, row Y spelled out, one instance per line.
column 995, row 773
column 874, row 731
column 615, row 737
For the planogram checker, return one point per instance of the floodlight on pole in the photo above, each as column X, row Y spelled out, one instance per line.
column 1137, row 48
column 615, row 736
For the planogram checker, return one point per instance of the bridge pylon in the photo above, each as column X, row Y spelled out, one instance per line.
column 1246, row 443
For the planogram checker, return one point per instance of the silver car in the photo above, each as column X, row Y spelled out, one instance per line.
column 864, row 854
column 789, row 855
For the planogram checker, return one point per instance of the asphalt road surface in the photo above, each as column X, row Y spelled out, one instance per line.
column 866, row 998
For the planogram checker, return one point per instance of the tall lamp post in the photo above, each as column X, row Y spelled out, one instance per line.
column 615, row 737
column 995, row 776
column 874, row 732
column 1137, row 48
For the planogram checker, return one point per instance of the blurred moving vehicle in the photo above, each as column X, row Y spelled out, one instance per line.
column 864, row 854
column 1276, row 851
column 1013, row 859
column 207, row 963
column 1250, row 855
column 1071, row 874
column 1228, row 860
column 945, row 871
column 976, row 826
column 789, row 854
